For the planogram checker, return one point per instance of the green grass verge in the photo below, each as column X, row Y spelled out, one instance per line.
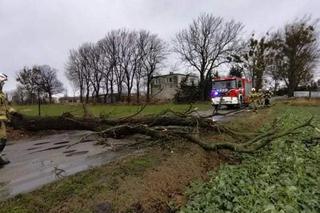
column 103, row 110
column 283, row 177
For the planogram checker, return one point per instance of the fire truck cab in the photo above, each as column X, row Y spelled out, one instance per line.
column 230, row 91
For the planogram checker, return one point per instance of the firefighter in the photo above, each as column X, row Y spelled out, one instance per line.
column 267, row 97
column 254, row 98
column 260, row 97
column 5, row 110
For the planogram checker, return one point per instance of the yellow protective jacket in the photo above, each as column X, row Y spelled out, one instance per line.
column 5, row 109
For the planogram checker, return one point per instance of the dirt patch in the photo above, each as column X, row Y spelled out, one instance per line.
column 17, row 134
column 162, row 188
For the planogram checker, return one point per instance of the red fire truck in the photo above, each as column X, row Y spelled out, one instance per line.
column 230, row 91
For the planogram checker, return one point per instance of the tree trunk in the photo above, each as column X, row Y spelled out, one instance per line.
column 97, row 98
column 107, row 92
column 138, row 91
column 81, row 94
column 253, row 78
column 258, row 81
column 119, row 91
column 290, row 91
column 50, row 97
column 87, row 95
column 202, row 87
column 291, row 83
column 129, row 95
column 148, row 88
column 111, row 91
column 275, row 86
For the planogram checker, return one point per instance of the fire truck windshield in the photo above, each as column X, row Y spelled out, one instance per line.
column 226, row 84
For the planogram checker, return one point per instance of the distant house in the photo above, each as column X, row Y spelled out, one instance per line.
column 67, row 99
column 164, row 87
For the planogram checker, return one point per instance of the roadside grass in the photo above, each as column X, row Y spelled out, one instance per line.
column 112, row 110
column 283, row 177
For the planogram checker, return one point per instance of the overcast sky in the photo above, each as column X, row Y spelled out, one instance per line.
column 43, row 31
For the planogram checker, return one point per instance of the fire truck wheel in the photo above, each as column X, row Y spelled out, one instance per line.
column 230, row 106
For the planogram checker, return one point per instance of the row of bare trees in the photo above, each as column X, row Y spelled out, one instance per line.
column 38, row 82
column 124, row 62
column 118, row 63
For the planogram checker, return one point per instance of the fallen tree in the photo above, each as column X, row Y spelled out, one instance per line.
column 163, row 127
column 189, row 126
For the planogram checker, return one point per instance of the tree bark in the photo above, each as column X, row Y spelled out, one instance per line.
column 138, row 91
column 148, row 88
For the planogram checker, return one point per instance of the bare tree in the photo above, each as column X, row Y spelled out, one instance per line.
column 19, row 95
column 49, row 81
column 141, row 43
column 154, row 53
column 95, row 67
column 206, row 44
column 105, row 65
column 74, row 72
column 115, row 41
column 30, row 80
column 39, row 80
column 110, row 49
column 296, row 52
column 128, row 59
column 84, row 52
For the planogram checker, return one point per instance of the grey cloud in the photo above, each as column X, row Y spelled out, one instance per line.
column 43, row 31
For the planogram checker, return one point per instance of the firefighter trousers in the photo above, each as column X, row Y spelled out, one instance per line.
column 3, row 136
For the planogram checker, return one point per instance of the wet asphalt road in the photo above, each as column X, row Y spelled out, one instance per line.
column 36, row 162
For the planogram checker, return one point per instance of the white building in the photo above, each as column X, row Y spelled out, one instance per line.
column 164, row 87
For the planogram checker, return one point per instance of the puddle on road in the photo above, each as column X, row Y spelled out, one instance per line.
column 50, row 148
column 77, row 153
column 62, row 142
column 69, row 151
column 34, row 148
column 41, row 143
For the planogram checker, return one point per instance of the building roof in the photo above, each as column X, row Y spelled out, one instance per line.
column 174, row 74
